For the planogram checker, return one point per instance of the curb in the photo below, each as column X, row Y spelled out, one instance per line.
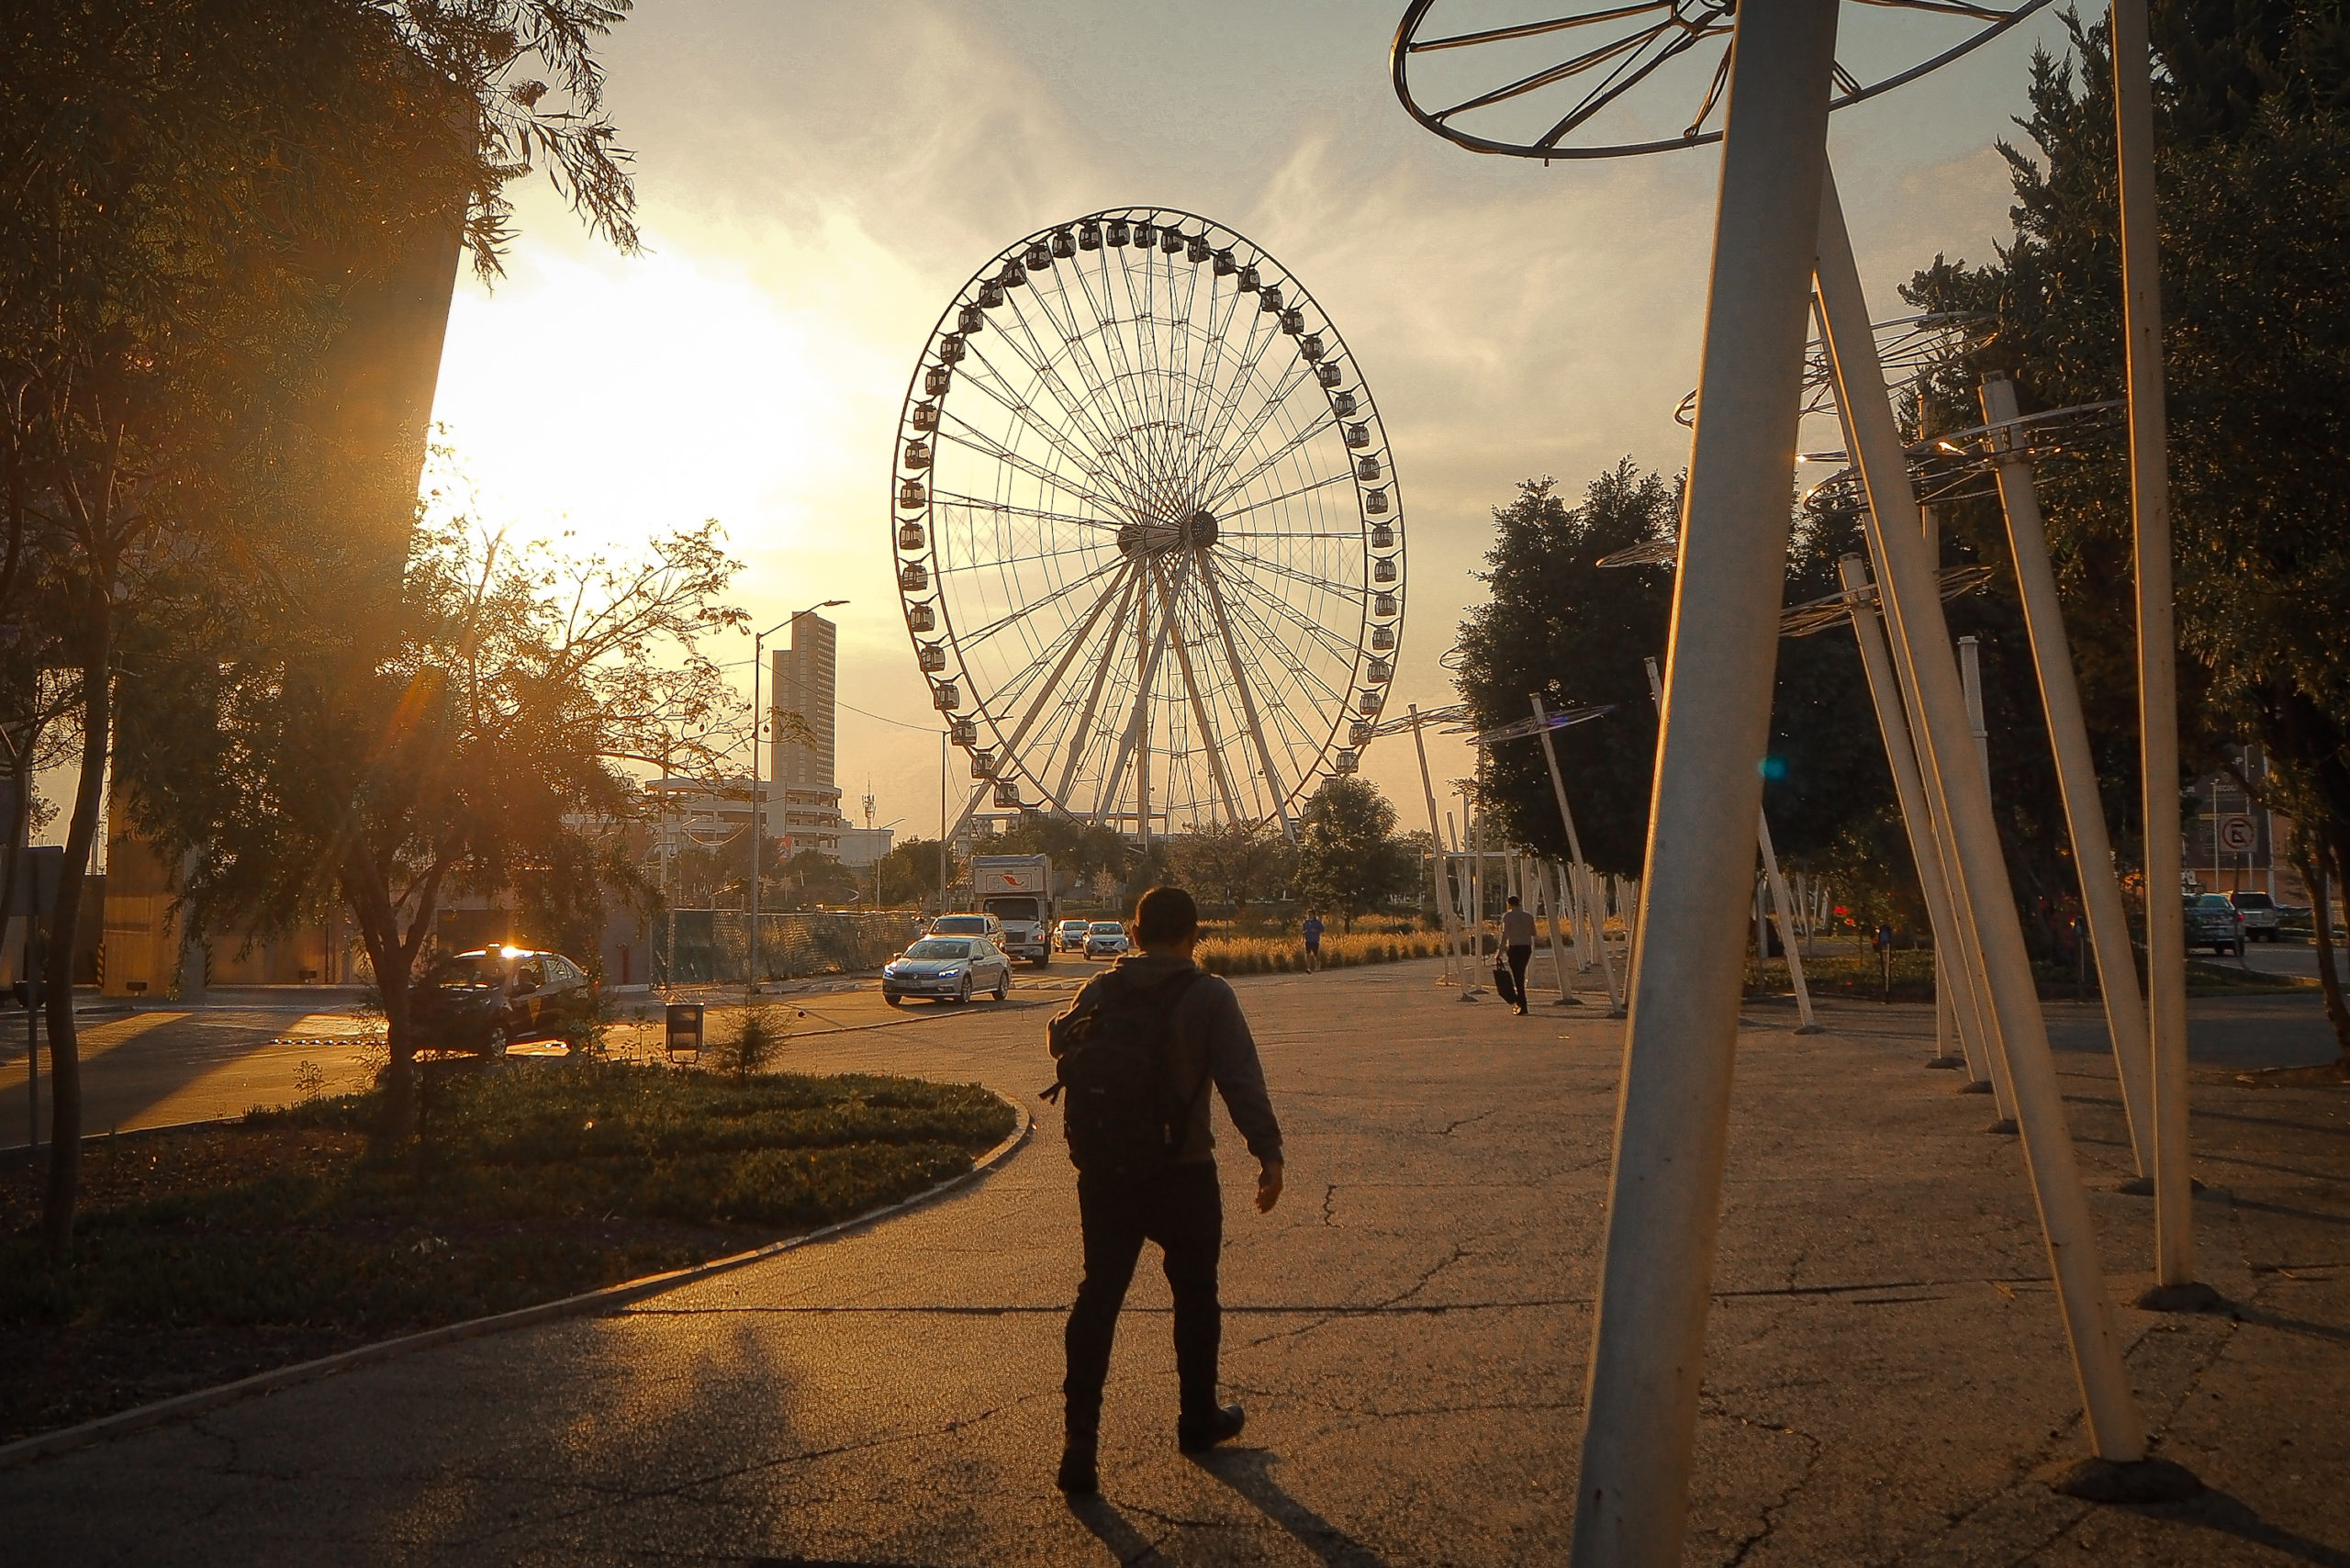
column 42, row 1445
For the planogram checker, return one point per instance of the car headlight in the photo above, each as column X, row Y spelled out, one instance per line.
column 951, row 972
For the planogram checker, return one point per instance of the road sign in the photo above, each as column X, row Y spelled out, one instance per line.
column 2236, row 834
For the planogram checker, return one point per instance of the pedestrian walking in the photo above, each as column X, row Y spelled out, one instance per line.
column 1517, row 946
column 1312, row 931
column 1137, row 1051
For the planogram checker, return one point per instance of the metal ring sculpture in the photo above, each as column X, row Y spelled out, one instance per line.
column 1544, row 99
column 1147, row 535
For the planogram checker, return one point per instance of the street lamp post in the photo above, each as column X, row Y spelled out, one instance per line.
column 758, row 804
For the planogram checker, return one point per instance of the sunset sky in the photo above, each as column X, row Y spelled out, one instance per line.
column 815, row 181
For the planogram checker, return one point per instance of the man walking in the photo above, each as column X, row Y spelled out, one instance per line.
column 1146, row 1166
column 1518, row 942
column 1312, row 931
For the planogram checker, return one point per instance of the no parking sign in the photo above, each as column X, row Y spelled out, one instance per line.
column 2236, row 834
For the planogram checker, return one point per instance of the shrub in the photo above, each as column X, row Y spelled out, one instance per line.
column 752, row 1045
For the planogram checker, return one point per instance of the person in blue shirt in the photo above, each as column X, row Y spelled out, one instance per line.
column 1312, row 930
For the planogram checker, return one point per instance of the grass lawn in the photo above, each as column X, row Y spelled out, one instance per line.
column 216, row 1252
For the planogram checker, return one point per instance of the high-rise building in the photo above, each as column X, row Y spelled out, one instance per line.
column 803, row 804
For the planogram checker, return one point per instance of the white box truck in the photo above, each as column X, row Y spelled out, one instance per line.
column 1018, row 890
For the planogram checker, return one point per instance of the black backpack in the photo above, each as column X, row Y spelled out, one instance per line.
column 1121, row 1114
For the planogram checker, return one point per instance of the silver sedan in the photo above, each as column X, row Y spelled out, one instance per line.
column 949, row 969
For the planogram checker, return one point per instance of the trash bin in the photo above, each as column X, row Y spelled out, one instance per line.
column 685, row 1029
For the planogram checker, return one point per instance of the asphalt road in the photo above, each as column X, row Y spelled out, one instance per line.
column 1886, row 1380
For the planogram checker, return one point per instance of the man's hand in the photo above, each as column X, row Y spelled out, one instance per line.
column 1268, row 1185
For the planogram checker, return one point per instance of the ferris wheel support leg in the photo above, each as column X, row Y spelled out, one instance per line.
column 1664, row 1199
column 1079, row 736
column 1136, row 746
column 1208, row 738
column 2158, row 655
column 2068, row 737
column 1248, row 698
column 1912, row 604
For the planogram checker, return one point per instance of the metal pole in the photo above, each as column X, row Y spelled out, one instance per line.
column 1979, row 1020
column 1436, row 842
column 2068, row 738
column 1809, row 1024
column 942, row 820
column 1664, row 1199
column 2134, row 112
column 1912, row 603
column 1909, row 790
column 1553, row 877
column 1574, row 850
column 758, row 666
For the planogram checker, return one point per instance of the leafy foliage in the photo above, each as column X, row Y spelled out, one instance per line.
column 2254, row 178
column 1234, row 863
column 1348, row 858
column 476, row 749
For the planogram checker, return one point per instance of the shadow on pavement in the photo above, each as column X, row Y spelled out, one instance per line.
column 1128, row 1545
column 2218, row 1512
column 1250, row 1472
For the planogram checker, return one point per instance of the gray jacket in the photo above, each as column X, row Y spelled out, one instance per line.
column 1210, row 1040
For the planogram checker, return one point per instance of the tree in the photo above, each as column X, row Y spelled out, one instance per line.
column 814, row 876
column 1081, row 852
column 2253, row 173
column 1348, row 859
column 1232, row 863
column 909, row 873
column 484, row 753
column 194, row 190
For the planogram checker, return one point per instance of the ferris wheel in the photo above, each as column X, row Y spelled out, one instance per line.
column 1147, row 536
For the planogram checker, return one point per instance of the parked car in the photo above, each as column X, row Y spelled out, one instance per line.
column 1071, row 937
column 1105, row 939
column 488, row 999
column 2212, row 921
column 2261, row 916
column 949, row 969
column 985, row 925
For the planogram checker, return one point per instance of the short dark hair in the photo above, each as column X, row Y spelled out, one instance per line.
column 1513, row 900
column 1165, row 914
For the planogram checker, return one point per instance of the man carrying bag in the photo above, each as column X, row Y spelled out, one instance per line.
column 1137, row 1051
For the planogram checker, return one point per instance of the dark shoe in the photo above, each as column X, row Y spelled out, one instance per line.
column 1521, row 1010
column 1201, row 1434
column 1077, row 1476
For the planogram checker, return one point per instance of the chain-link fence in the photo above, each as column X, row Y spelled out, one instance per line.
column 713, row 946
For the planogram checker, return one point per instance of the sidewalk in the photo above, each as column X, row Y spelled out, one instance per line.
column 1886, row 1380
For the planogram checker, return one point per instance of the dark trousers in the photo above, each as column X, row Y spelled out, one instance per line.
column 1518, row 958
column 1183, row 1212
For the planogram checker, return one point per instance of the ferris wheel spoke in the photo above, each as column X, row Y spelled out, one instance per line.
column 1210, row 579
column 1133, row 736
column 1149, row 374
column 1121, row 367
column 1282, row 568
column 1244, row 376
column 1002, row 394
column 979, row 441
column 1044, row 689
column 1535, row 29
column 1223, row 515
column 1251, row 591
column 954, row 568
column 1237, row 485
column 975, row 503
column 1078, row 408
column 1027, row 612
column 1081, row 735
column 1214, row 363
column 1321, row 420
column 1574, row 66
column 1198, row 704
column 1108, row 378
